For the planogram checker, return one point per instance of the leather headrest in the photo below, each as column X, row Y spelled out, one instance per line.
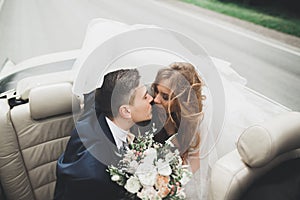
column 25, row 85
column 51, row 100
column 261, row 143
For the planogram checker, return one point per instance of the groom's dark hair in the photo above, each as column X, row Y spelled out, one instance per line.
column 118, row 88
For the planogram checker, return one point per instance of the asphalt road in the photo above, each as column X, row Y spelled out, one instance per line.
column 35, row 27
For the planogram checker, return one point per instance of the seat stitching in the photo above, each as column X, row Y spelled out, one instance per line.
column 21, row 153
column 44, row 184
column 45, row 142
column 51, row 161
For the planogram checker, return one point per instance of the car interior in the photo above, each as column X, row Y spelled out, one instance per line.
column 1, row 192
column 37, row 119
column 35, row 127
column 266, row 160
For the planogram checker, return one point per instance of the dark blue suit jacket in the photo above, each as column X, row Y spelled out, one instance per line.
column 81, row 169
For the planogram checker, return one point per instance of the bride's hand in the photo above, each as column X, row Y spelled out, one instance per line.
column 193, row 160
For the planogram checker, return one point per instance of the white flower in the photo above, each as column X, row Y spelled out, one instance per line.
column 129, row 156
column 115, row 177
column 150, row 155
column 156, row 146
column 133, row 165
column 186, row 176
column 169, row 156
column 148, row 193
column 163, row 168
column 146, row 173
column 132, row 185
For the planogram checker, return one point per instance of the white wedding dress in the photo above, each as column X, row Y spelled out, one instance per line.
column 230, row 106
column 244, row 108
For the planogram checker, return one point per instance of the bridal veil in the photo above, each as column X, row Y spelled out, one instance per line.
column 111, row 45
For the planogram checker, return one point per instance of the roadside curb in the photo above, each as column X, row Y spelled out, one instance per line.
column 272, row 34
column 280, row 38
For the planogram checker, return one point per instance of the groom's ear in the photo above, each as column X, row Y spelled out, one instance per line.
column 124, row 111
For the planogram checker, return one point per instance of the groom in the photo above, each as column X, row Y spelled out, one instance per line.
column 81, row 169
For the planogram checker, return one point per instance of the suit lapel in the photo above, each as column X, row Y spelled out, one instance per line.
column 106, row 130
column 108, row 144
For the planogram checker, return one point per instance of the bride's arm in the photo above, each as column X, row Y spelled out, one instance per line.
column 193, row 157
column 193, row 160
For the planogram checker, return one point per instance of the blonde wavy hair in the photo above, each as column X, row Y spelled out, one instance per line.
column 186, row 103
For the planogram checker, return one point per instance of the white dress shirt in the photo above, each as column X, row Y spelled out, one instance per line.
column 119, row 134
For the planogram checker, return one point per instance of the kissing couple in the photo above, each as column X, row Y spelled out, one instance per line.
column 110, row 118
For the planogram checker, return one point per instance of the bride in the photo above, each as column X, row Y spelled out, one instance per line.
column 179, row 101
column 177, row 90
column 206, row 106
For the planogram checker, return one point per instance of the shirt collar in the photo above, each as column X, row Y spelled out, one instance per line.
column 119, row 134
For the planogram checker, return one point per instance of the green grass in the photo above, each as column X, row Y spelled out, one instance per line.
column 268, row 17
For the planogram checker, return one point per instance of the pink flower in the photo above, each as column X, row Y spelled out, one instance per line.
column 161, row 185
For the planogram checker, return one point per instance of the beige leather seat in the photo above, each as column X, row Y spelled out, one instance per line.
column 2, row 197
column 32, row 137
column 260, row 148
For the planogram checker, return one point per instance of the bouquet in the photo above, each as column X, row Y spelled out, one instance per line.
column 150, row 170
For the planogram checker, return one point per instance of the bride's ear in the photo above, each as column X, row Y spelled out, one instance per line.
column 125, row 112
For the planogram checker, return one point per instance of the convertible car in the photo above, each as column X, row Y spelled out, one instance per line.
column 37, row 103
